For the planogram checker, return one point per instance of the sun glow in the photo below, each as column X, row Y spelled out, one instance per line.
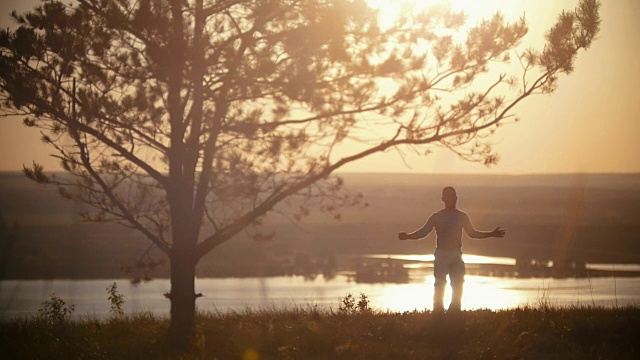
column 479, row 293
column 475, row 10
column 470, row 7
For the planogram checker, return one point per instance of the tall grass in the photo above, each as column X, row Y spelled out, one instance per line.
column 531, row 332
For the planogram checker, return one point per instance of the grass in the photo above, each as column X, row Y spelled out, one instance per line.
column 357, row 333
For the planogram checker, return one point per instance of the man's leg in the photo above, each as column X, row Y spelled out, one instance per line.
column 456, row 272
column 440, row 270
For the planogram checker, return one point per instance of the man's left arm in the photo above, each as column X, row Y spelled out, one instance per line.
column 476, row 234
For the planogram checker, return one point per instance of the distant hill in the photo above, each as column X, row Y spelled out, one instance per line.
column 628, row 181
column 535, row 210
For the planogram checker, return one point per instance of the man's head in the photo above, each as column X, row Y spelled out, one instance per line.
column 449, row 197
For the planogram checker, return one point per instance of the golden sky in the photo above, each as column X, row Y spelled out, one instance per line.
column 590, row 124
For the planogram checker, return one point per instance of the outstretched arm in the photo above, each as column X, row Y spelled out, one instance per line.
column 476, row 234
column 497, row 233
column 418, row 234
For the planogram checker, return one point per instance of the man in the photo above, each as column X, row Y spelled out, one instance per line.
column 449, row 223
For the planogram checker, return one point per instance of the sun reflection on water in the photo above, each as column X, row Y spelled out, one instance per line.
column 479, row 293
column 468, row 258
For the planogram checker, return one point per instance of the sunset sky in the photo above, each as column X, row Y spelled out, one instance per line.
column 590, row 124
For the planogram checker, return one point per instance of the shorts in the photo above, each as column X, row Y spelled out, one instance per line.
column 448, row 262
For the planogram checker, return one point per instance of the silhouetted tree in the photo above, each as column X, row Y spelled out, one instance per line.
column 8, row 237
column 175, row 114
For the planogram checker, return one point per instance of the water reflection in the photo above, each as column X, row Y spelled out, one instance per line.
column 614, row 267
column 20, row 298
column 524, row 267
column 468, row 258
column 493, row 293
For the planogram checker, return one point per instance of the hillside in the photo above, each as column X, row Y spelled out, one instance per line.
column 354, row 333
column 536, row 210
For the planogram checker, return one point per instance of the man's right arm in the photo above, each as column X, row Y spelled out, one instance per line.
column 420, row 233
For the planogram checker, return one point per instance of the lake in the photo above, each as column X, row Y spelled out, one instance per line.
column 25, row 297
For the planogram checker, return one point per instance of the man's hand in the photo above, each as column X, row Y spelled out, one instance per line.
column 499, row 233
column 403, row 236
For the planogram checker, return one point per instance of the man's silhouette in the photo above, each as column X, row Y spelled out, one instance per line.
column 449, row 223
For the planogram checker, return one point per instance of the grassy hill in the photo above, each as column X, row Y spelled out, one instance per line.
column 523, row 333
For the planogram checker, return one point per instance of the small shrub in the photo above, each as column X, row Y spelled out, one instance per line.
column 363, row 303
column 116, row 299
column 54, row 310
column 349, row 306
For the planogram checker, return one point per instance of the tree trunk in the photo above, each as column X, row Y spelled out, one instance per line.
column 183, row 302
